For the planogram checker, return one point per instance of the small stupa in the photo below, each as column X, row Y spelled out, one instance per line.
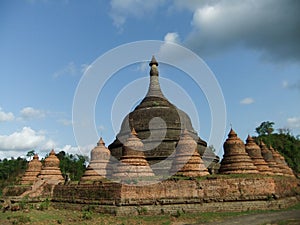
column 290, row 171
column 285, row 169
column 50, row 171
column 235, row 159
column 268, row 156
column 254, row 152
column 133, row 163
column 33, row 170
column 97, row 169
column 187, row 160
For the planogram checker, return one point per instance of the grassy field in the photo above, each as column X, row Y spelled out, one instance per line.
column 49, row 216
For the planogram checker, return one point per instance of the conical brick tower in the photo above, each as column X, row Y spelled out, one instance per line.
column 51, row 171
column 290, row 171
column 285, row 169
column 254, row 152
column 187, row 160
column 268, row 156
column 97, row 169
column 133, row 164
column 235, row 159
column 33, row 170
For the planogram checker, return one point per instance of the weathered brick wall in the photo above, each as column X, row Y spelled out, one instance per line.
column 220, row 189
column 100, row 193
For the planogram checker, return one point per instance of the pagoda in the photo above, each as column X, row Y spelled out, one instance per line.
column 268, row 156
column 133, row 164
column 160, row 141
column 33, row 170
column 235, row 159
column 187, row 160
column 285, row 169
column 97, row 168
column 254, row 152
column 50, row 171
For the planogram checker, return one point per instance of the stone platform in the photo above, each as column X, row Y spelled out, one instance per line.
column 219, row 193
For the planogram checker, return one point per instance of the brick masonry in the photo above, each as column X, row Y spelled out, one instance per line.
column 220, row 193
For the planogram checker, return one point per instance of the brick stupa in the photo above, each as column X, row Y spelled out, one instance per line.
column 254, row 152
column 268, row 156
column 290, row 171
column 133, row 163
column 159, row 142
column 97, row 169
column 33, row 170
column 51, row 171
column 187, row 160
column 235, row 159
column 285, row 169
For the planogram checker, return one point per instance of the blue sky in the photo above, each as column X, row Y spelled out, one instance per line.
column 252, row 47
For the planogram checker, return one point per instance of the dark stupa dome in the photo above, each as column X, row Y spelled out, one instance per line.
column 157, row 122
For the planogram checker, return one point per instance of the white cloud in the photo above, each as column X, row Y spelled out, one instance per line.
column 31, row 113
column 172, row 37
column 269, row 26
column 169, row 49
column 293, row 122
column 6, row 116
column 68, row 70
column 266, row 26
column 20, row 142
column 122, row 9
column 247, row 101
column 66, row 122
column 71, row 69
column 85, row 150
column 25, row 139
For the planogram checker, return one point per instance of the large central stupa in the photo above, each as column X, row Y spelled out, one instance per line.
column 158, row 124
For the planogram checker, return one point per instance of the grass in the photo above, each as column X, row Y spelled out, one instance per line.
column 53, row 216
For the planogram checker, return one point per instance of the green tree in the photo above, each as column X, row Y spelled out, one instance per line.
column 11, row 170
column 265, row 128
column 73, row 165
column 30, row 154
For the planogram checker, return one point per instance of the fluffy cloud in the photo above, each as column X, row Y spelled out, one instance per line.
column 270, row 26
column 247, row 101
column 293, row 122
column 172, row 37
column 121, row 9
column 25, row 139
column 31, row 113
column 6, row 116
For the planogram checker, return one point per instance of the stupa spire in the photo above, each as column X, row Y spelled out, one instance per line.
column 154, row 86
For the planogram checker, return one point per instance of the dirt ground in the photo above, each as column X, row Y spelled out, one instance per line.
column 291, row 217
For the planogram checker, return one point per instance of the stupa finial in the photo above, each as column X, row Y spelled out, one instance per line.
column 153, row 62
column 133, row 132
column 101, row 142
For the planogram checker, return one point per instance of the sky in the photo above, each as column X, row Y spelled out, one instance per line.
column 251, row 47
